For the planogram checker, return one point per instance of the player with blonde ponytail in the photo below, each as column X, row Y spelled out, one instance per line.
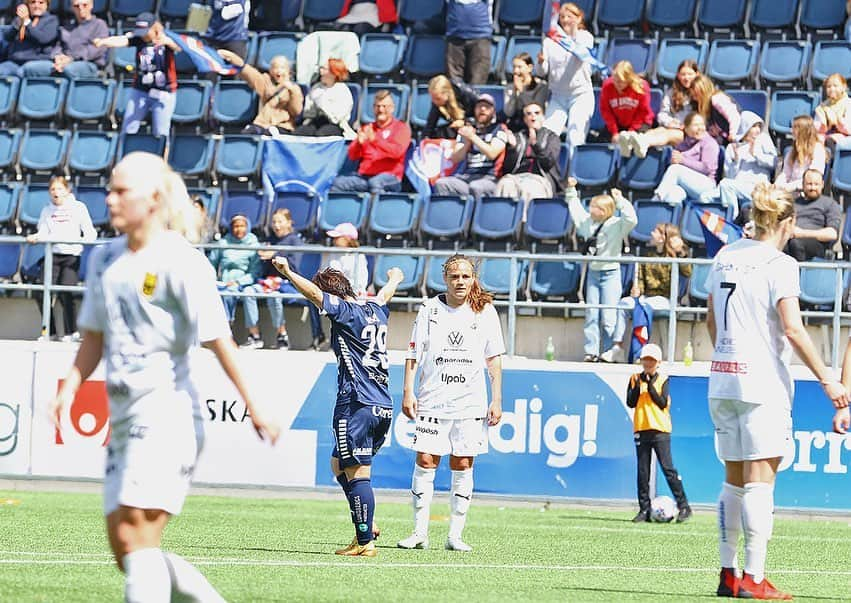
column 753, row 317
column 456, row 336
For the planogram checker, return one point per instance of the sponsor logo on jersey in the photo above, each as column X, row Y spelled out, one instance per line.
column 441, row 360
column 425, row 430
column 149, row 284
column 362, row 452
column 382, row 413
column 455, row 338
column 449, row 379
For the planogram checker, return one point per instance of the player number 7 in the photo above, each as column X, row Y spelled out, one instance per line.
column 731, row 287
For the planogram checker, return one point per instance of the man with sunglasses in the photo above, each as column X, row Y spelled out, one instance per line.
column 78, row 56
column 33, row 35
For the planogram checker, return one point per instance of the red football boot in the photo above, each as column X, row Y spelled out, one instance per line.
column 748, row 589
column 728, row 585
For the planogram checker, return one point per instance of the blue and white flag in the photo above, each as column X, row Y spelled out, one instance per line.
column 560, row 37
column 205, row 58
column 717, row 231
column 302, row 163
column 642, row 322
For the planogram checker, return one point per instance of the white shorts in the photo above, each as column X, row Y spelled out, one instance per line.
column 458, row 437
column 149, row 463
column 747, row 432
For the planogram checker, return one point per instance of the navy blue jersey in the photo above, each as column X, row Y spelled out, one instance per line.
column 229, row 21
column 359, row 340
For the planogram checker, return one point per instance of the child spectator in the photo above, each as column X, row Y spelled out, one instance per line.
column 806, row 153
column 525, row 88
column 694, row 163
column 625, row 106
column 833, row 116
column 648, row 395
column 328, row 106
column 720, row 112
column 450, row 101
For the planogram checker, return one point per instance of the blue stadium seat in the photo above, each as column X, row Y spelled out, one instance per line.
column 252, row 204
column 498, row 45
column 641, row 53
column 420, row 11
column 123, row 60
column 674, row 51
column 321, row 11
column 720, row 16
column 10, row 258
column 303, row 206
column 412, row 266
column 290, row 10
column 672, row 15
column 89, row 100
column 777, row 17
column 445, row 218
column 554, row 280
column 420, row 106
column 356, row 101
column 343, row 207
column 434, row 276
column 594, row 165
column 191, row 155
column 787, row 105
column 381, row 54
column 751, row 100
column 644, row 174
column 31, row 262
column 690, row 228
column 497, row 219
column 841, row 174
column 784, row 62
column 10, row 193
column 274, row 43
column 818, row 286
column 234, row 104
column 495, row 276
column 124, row 9
column 619, row 14
column 10, row 140
column 697, row 291
column 399, row 92
column 192, row 101
column 92, row 152
column 34, row 198
column 525, row 14
column 174, row 10
column 211, row 198
column 822, row 17
column 122, row 93
column 148, row 143
column 651, row 212
column 239, row 156
column 42, row 98
column 597, row 124
column 564, row 158
column 547, row 223
column 656, row 96
column 831, row 56
column 518, row 44
column 425, row 56
column 43, row 150
column 94, row 198
column 733, row 61
column 394, row 216
column 9, row 86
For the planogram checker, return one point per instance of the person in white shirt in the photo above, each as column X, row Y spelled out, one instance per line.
column 64, row 219
column 753, row 317
column 151, row 298
column 456, row 336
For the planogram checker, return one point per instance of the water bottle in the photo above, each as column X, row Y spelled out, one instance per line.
column 550, row 350
column 688, row 354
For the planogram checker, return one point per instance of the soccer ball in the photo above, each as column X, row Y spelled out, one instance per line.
column 662, row 509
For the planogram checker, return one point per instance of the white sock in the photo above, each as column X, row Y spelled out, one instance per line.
column 459, row 501
column 422, row 491
column 729, row 524
column 757, row 507
column 189, row 582
column 146, row 577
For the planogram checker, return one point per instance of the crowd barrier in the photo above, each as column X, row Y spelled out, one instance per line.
column 566, row 430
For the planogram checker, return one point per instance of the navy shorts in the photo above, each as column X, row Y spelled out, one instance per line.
column 359, row 431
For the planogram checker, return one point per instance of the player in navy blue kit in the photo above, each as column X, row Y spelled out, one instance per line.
column 364, row 407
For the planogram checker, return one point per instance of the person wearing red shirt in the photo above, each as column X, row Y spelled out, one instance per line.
column 625, row 104
column 381, row 148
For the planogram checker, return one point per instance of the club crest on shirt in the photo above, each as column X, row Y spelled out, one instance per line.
column 455, row 338
column 149, row 284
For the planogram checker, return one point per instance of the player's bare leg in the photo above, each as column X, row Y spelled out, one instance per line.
column 362, row 504
column 422, row 491
column 460, row 495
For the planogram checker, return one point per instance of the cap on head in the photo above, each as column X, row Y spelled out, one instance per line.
column 486, row 98
column 651, row 350
column 346, row 229
column 142, row 24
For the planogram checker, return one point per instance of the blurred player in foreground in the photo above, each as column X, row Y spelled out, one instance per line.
column 456, row 335
column 150, row 298
column 753, row 316
column 364, row 408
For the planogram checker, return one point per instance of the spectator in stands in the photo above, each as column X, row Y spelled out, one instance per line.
column 237, row 269
column 747, row 162
column 531, row 160
column 207, row 231
column 281, row 99
column 805, row 153
column 652, row 282
column 366, row 16
column 720, row 112
column 694, row 163
column 603, row 226
column 64, row 219
column 817, row 220
column 381, row 148
column 469, row 28
column 77, row 56
column 32, row 36
column 450, row 100
column 155, row 83
column 625, row 106
column 350, row 262
column 572, row 96
column 833, row 115
column 329, row 104
column 525, row 88
column 676, row 104
column 482, row 146
column 228, row 27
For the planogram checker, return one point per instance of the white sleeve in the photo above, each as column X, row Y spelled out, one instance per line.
column 418, row 335
column 494, row 343
column 200, row 297
column 785, row 279
column 93, row 315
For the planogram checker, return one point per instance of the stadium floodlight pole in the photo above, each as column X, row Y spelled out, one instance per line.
column 46, row 281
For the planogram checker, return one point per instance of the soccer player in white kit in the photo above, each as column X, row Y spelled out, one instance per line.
column 753, row 316
column 456, row 336
column 150, row 298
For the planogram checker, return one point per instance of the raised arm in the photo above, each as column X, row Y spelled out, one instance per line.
column 112, row 42
column 394, row 277
column 307, row 288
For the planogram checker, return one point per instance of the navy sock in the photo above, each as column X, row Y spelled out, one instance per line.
column 362, row 503
column 346, row 485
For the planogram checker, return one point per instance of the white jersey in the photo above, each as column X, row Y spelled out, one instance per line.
column 751, row 358
column 152, row 306
column 451, row 346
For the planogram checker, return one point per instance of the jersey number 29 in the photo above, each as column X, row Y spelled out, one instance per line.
column 377, row 336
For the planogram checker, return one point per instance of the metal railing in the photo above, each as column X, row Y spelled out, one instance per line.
column 512, row 303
